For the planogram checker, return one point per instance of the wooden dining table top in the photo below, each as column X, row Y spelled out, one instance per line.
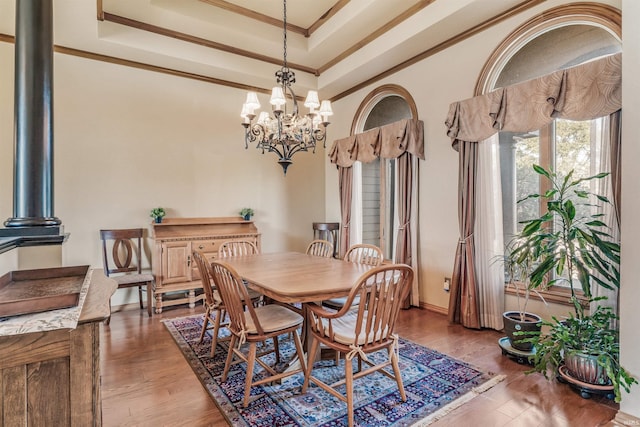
column 296, row 277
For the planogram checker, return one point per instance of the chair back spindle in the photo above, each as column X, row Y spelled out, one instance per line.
column 364, row 254
column 322, row 248
column 237, row 248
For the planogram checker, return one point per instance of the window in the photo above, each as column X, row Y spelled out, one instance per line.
column 565, row 36
column 378, row 204
column 563, row 147
column 374, row 207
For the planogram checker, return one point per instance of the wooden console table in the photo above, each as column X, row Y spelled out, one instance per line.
column 52, row 376
column 176, row 277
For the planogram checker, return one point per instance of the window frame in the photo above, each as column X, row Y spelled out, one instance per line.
column 360, row 117
column 599, row 15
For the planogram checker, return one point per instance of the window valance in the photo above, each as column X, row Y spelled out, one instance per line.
column 583, row 92
column 388, row 141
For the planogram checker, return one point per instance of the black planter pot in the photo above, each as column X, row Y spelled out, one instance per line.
column 512, row 323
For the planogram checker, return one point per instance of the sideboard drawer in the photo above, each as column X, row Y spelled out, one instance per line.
column 206, row 246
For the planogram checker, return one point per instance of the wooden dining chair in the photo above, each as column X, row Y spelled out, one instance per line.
column 253, row 326
column 322, row 248
column 237, row 248
column 360, row 254
column 122, row 261
column 214, row 312
column 360, row 332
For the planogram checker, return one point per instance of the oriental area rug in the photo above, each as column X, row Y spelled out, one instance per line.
column 435, row 384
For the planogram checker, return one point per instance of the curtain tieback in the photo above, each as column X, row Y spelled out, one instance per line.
column 403, row 226
column 465, row 240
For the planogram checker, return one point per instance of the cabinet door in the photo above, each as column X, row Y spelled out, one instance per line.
column 176, row 262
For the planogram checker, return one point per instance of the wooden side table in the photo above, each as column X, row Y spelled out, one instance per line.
column 329, row 231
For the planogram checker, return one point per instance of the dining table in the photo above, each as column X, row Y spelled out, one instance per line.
column 293, row 277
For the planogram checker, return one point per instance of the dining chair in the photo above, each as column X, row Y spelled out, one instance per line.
column 322, row 248
column 214, row 312
column 253, row 325
column 360, row 254
column 237, row 248
column 122, row 261
column 357, row 333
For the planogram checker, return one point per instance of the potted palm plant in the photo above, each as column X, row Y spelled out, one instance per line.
column 519, row 261
column 570, row 240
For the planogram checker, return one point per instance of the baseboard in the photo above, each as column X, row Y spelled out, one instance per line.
column 624, row 420
column 434, row 308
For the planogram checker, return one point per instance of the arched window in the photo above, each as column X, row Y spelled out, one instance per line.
column 559, row 38
column 374, row 201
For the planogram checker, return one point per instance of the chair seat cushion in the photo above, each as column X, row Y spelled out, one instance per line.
column 344, row 330
column 273, row 317
column 253, row 295
column 338, row 303
column 132, row 279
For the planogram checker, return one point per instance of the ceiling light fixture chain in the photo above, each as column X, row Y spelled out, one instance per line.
column 285, row 133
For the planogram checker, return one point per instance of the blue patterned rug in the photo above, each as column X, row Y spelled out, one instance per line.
column 435, row 384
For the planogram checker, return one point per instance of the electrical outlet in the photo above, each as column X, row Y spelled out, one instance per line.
column 447, row 283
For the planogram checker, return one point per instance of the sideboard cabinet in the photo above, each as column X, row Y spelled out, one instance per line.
column 176, row 277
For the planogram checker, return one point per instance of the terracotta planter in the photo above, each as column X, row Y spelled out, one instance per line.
column 584, row 367
column 512, row 323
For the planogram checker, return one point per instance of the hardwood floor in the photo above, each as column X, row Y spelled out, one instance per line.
column 147, row 382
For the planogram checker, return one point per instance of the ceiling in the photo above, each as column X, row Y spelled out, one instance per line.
column 332, row 45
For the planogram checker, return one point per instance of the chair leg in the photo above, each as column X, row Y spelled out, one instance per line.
column 396, row 371
column 310, row 360
column 205, row 324
column 348, row 370
column 149, row 299
column 251, row 360
column 140, row 296
column 299, row 350
column 216, row 330
column 108, row 319
column 276, row 348
column 227, row 364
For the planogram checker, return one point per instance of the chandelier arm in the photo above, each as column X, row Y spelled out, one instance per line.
column 274, row 149
column 285, row 134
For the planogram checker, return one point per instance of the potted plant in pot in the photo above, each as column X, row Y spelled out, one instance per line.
column 570, row 240
column 157, row 214
column 519, row 261
column 246, row 213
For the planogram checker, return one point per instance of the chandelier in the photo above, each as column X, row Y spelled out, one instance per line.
column 286, row 132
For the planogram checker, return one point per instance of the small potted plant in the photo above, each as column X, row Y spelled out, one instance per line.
column 519, row 261
column 157, row 214
column 246, row 213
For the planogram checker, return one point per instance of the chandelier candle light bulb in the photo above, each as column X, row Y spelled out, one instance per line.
column 287, row 132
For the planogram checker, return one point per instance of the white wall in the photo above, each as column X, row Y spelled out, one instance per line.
column 630, row 232
column 127, row 140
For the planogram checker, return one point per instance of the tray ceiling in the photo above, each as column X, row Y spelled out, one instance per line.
column 333, row 45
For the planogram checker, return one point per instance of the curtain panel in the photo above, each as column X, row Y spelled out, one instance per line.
column 404, row 140
column 584, row 92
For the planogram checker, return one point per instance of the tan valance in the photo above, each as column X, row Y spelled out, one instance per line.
column 388, row 141
column 583, row 92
